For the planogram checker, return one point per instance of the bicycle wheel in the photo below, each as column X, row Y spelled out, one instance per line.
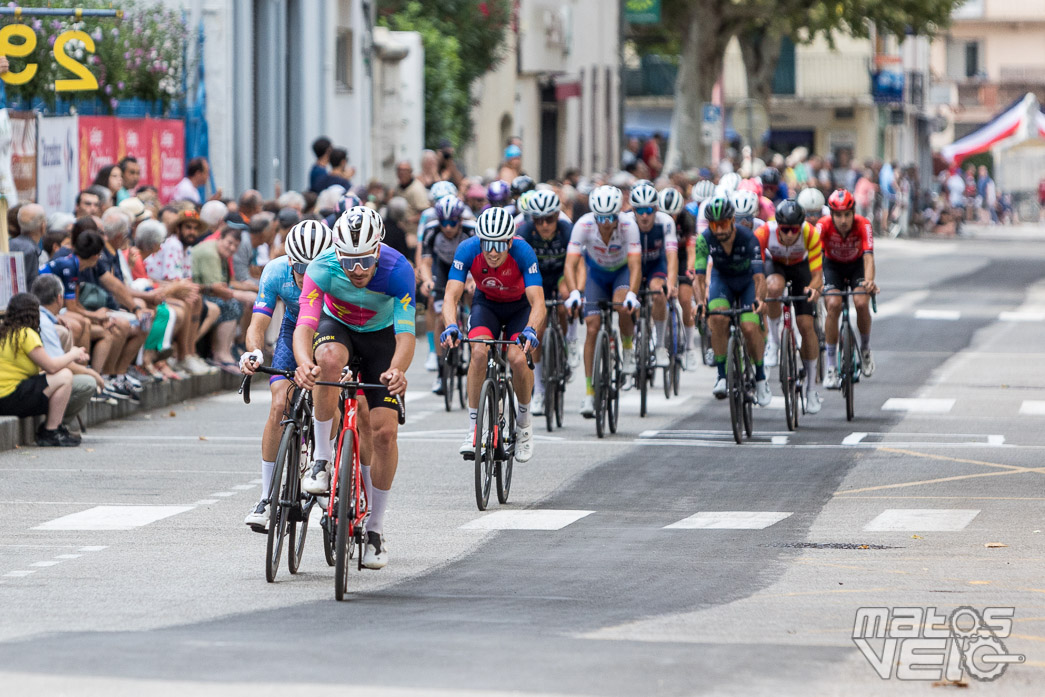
column 735, row 385
column 298, row 532
column 707, row 354
column 277, row 495
column 749, row 394
column 787, row 379
column 550, row 359
column 508, row 431
column 615, row 378
column 818, row 326
column 448, row 371
column 642, row 363
column 485, row 444
column 346, row 513
column 797, row 383
column 671, row 343
column 601, row 381
column 463, row 353
column 847, row 348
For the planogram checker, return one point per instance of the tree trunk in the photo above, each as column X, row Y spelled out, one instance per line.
column 704, row 41
column 760, row 48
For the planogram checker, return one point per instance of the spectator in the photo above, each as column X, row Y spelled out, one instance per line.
column 111, row 177
column 412, row 190
column 212, row 213
column 31, row 223
column 148, row 238
column 429, row 168
column 651, row 155
column 327, row 200
column 12, row 220
column 103, row 194
column 57, row 341
column 321, row 147
column 24, row 390
column 397, row 237
column 512, row 165
column 53, row 241
column 1041, row 200
column 340, row 173
column 210, row 270
column 448, row 169
column 262, row 234
column 292, row 199
column 249, row 204
column 132, row 173
column 135, row 210
column 285, row 219
column 475, row 198
column 196, row 176
column 631, row 153
column 87, row 203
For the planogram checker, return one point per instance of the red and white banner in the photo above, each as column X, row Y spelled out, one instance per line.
column 132, row 139
column 167, row 155
column 157, row 144
column 97, row 146
column 23, row 153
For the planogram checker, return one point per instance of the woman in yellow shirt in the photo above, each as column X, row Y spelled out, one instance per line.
column 24, row 390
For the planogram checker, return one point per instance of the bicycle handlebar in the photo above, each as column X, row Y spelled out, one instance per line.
column 732, row 312
column 499, row 342
column 787, row 299
column 847, row 293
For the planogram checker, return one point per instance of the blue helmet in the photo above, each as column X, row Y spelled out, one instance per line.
column 498, row 193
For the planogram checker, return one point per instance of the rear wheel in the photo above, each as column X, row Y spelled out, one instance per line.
column 463, row 353
column 601, row 381
column 614, row 378
column 671, row 343
column 485, row 444
column 550, row 359
column 508, row 429
column 346, row 513
column 735, row 385
column 848, row 366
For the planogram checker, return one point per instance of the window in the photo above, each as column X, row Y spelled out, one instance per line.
column 972, row 59
column 343, row 60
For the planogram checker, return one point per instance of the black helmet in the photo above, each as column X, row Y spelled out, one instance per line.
column 718, row 208
column 522, row 184
column 788, row 212
column 771, row 176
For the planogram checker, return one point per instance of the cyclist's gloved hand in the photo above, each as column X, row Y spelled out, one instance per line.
column 451, row 333
column 631, row 302
column 255, row 357
column 529, row 336
column 574, row 300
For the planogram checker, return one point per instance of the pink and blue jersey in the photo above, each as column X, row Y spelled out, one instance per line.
column 387, row 301
column 506, row 283
column 277, row 283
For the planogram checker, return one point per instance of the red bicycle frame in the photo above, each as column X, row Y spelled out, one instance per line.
column 350, row 410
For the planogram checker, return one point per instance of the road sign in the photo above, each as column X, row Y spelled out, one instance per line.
column 642, row 11
column 711, row 124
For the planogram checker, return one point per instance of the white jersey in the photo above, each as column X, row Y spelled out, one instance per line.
column 428, row 215
column 609, row 256
column 702, row 219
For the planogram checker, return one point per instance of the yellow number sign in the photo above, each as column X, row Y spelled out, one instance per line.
column 84, row 81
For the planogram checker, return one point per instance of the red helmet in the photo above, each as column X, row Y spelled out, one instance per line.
column 841, row 200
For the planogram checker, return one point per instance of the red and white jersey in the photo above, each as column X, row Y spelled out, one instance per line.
column 848, row 248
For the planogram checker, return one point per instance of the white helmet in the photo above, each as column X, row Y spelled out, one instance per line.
column 729, row 182
column 745, row 203
column 811, row 200
column 495, row 225
column 702, row 190
column 307, row 240
column 670, row 201
column 643, row 194
column 359, row 230
column 606, row 200
column 544, row 203
column 442, row 188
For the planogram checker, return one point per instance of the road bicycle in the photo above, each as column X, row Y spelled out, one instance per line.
column 607, row 370
column 645, row 348
column 675, row 343
column 707, row 354
column 495, row 433
column 849, row 362
column 289, row 506
column 454, row 368
column 740, row 374
column 792, row 370
column 556, row 367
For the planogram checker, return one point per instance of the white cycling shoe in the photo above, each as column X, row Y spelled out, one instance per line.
column 832, row 381
column 524, row 446
column 720, row 389
column 432, row 362
column 628, row 361
column 771, row 356
column 813, row 403
column 258, row 518
column 537, row 407
column 588, row 406
column 662, row 358
column 318, row 482
column 867, row 363
column 375, row 553
column 763, row 395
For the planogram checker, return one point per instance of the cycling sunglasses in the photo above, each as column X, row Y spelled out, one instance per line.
column 645, row 210
column 365, row 263
column 494, row 245
column 299, row 268
column 553, row 218
column 604, row 219
column 789, row 229
column 449, row 223
column 720, row 225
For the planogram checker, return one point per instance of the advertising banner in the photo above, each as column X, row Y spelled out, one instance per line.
column 57, row 162
column 132, row 139
column 23, row 153
column 97, row 146
column 167, row 155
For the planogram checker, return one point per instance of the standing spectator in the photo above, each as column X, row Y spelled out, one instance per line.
column 448, row 169
column 24, row 390
column 321, row 147
column 132, row 174
column 429, row 168
column 210, row 270
column 412, row 190
column 196, row 176
column 340, row 173
column 630, row 156
column 87, row 204
column 32, row 221
column 651, row 155
column 402, row 240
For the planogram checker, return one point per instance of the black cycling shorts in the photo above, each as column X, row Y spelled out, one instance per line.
column 843, row 276
column 371, row 351
column 800, row 277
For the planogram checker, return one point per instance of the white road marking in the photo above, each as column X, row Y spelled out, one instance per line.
column 920, row 406
column 729, row 520
column 244, row 487
column 45, row 563
column 224, row 494
column 257, row 481
column 901, row 304
column 205, row 502
column 949, row 315
column 632, row 399
column 526, row 520
column 1021, row 317
column 112, row 518
column 854, row 438
column 93, row 548
column 68, row 556
column 19, row 574
column 1032, row 407
column 779, row 440
column 922, row 519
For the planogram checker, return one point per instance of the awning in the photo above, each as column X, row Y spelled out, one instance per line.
column 1020, row 121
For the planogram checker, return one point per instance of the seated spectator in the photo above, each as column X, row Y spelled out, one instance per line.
column 212, row 213
column 87, row 203
column 32, row 220
column 53, row 241
column 249, row 204
column 24, row 390
column 291, row 199
column 211, row 262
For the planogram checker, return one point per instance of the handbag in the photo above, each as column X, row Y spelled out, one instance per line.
column 92, row 296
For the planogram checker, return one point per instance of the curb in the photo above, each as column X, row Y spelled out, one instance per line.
column 15, row 432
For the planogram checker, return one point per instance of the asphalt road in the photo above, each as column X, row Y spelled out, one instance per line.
column 672, row 562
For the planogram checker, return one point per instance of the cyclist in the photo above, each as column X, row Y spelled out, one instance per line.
column 346, row 201
column 660, row 258
column 439, row 190
column 357, row 304
column 702, row 191
column 792, row 251
column 736, row 274
column 519, row 186
column 522, row 205
column 442, row 237
column 747, row 209
column 848, row 265
column 766, row 209
column 609, row 243
column 281, row 280
column 509, row 300
column 812, row 202
column 499, row 195
column 672, row 203
column 549, row 235
column 773, row 185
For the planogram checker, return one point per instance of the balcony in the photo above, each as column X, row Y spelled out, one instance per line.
column 655, row 77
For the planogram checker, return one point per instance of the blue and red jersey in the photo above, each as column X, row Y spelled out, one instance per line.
column 506, row 283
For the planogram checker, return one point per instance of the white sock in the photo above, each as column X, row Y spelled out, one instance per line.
column 810, row 365
column 523, row 416
column 266, row 477
column 571, row 330
column 660, row 324
column 538, row 377
column 473, row 416
column 774, row 330
column 378, row 502
column 367, row 484
column 324, row 451
column 687, row 334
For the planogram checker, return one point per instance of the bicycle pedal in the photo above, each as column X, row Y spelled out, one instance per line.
column 260, row 529
column 470, row 456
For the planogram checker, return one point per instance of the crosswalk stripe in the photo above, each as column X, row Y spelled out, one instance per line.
column 1022, row 316
column 920, row 406
column 949, row 315
column 546, row 519
column 729, row 520
column 1032, row 407
column 922, row 519
column 112, row 518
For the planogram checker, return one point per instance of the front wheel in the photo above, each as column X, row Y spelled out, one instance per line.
column 486, row 438
column 346, row 513
column 735, row 386
column 285, row 462
column 601, row 381
column 448, row 369
column 848, row 368
column 787, row 381
column 508, row 430
column 642, row 373
column 615, row 378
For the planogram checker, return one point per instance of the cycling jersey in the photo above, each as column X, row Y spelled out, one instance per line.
column 428, row 215
column 441, row 249
column 386, row 301
column 806, row 246
column 521, row 220
column 551, row 254
column 744, row 259
column 851, row 247
column 506, row 283
column 660, row 238
column 277, row 283
column 608, row 256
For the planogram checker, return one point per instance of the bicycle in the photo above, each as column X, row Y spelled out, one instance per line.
column 849, row 350
column 645, row 348
column 674, row 342
column 792, row 370
column 707, row 354
column 556, row 367
column 455, row 368
column 607, row 370
column 495, row 433
column 289, row 506
column 740, row 375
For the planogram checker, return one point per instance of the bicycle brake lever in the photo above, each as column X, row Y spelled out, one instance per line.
column 244, row 389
